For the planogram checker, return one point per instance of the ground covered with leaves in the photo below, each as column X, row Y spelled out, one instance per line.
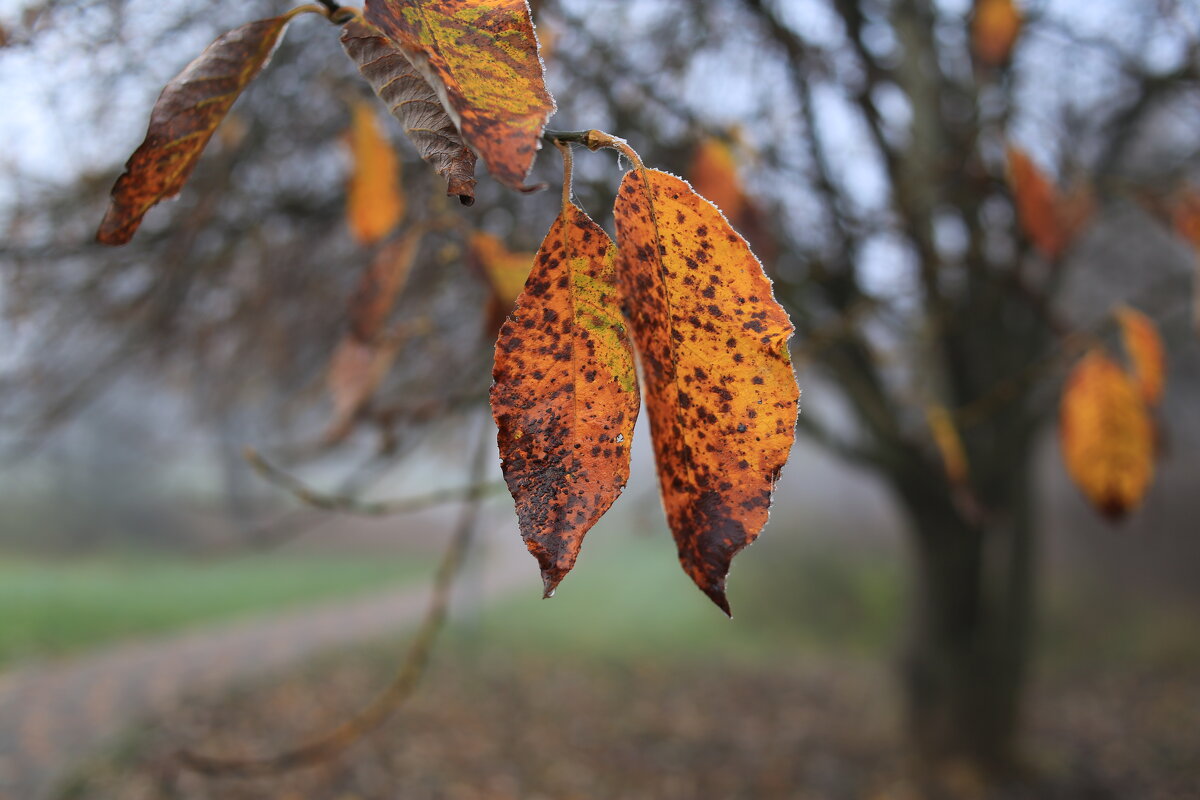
column 493, row 724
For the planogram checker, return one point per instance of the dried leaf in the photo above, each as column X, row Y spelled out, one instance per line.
column 565, row 395
column 412, row 100
column 994, row 30
column 374, row 201
column 949, row 443
column 365, row 354
column 1106, row 435
column 720, row 389
column 183, row 120
column 1146, row 354
column 1049, row 220
column 481, row 57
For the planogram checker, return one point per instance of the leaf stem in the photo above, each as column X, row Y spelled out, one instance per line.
column 568, row 169
column 594, row 140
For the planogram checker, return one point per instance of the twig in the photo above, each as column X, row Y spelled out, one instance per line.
column 368, row 508
column 407, row 677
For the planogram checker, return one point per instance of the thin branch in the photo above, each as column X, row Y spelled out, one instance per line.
column 407, row 677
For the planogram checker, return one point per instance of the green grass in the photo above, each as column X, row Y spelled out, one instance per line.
column 50, row 607
column 627, row 596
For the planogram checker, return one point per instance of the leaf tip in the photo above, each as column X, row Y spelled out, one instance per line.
column 716, row 593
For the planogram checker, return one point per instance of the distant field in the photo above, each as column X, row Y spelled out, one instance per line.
column 49, row 607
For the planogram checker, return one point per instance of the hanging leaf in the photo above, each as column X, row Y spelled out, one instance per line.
column 565, row 395
column 481, row 57
column 1050, row 220
column 183, row 120
column 1106, row 435
column 374, row 201
column 720, row 389
column 994, row 30
column 948, row 442
column 366, row 353
column 412, row 100
column 504, row 270
column 1146, row 355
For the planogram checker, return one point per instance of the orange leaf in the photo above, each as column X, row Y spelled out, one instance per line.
column 720, row 389
column 713, row 174
column 565, row 395
column 413, row 101
column 374, row 202
column 1185, row 213
column 1050, row 221
column 949, row 443
column 1106, row 435
column 995, row 29
column 183, row 120
column 504, row 269
column 481, row 57
column 365, row 354
column 1145, row 349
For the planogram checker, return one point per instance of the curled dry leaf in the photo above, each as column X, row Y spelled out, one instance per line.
column 374, row 200
column 183, row 120
column 1106, row 435
column 1146, row 354
column 720, row 389
column 565, row 395
column 412, row 100
column 994, row 30
column 365, row 354
column 481, row 57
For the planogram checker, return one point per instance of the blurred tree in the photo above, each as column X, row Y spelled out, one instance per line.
column 876, row 139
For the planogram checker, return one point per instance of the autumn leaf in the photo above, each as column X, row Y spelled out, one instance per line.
column 481, row 57
column 1050, row 220
column 374, row 201
column 363, row 357
column 504, row 270
column 994, row 30
column 948, row 442
column 183, row 120
column 565, row 395
column 1106, row 435
column 1144, row 347
column 713, row 174
column 413, row 101
column 720, row 389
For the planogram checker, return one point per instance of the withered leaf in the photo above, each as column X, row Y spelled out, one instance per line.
column 565, row 396
column 183, row 120
column 481, row 57
column 1106, row 436
column 412, row 100
column 1146, row 354
column 720, row 389
column 374, row 200
column 365, row 354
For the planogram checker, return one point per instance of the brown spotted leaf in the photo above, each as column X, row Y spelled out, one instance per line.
column 183, row 120
column 412, row 100
column 1146, row 354
column 481, row 57
column 1106, row 435
column 374, row 201
column 720, row 389
column 565, row 395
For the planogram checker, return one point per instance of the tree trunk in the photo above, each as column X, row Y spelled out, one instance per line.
column 966, row 660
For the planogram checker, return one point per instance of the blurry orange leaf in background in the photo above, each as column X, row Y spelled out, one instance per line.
column 504, row 270
column 721, row 393
column 1145, row 350
column 713, row 174
column 995, row 29
column 374, row 200
column 1185, row 213
column 1106, row 435
column 1049, row 220
column 949, row 443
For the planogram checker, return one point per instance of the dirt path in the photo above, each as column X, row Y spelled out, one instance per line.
column 52, row 714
